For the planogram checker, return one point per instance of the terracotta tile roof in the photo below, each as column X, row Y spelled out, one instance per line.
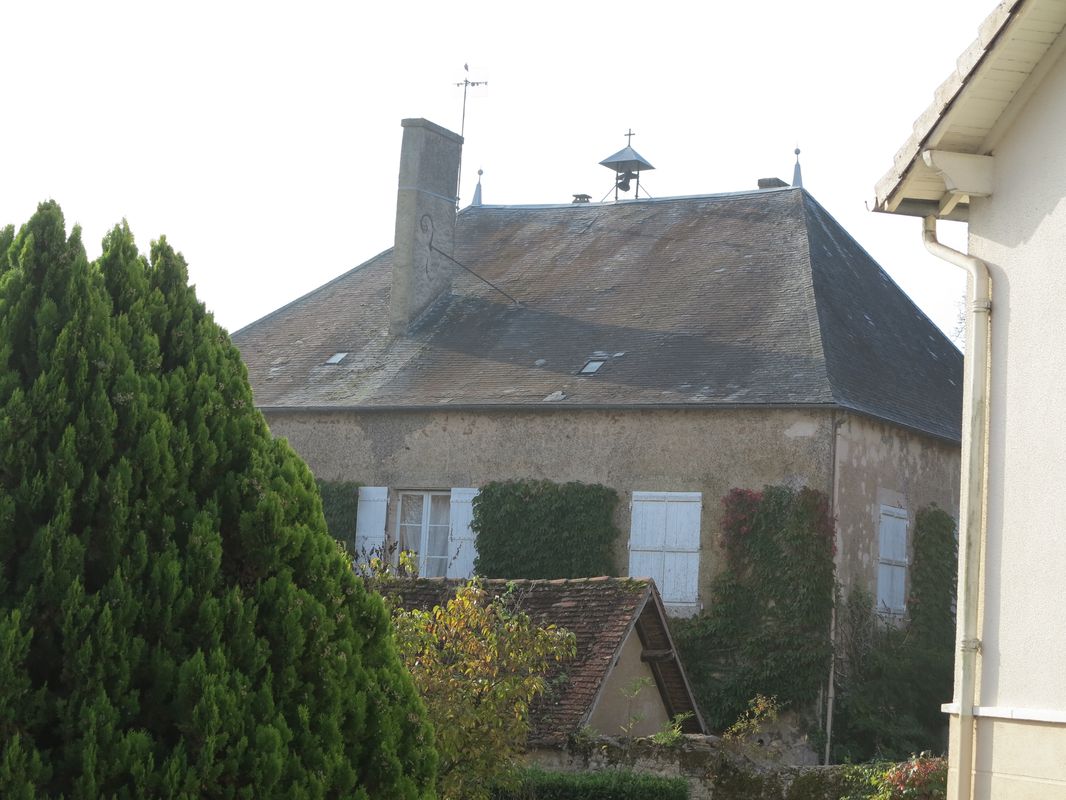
column 600, row 612
column 756, row 298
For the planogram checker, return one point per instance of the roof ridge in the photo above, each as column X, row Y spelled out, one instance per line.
column 814, row 323
column 626, row 202
column 895, row 402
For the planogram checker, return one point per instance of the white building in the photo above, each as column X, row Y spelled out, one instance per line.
column 991, row 150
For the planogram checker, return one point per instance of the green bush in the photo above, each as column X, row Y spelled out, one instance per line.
column 540, row 529
column 340, row 506
column 766, row 631
column 175, row 620
column 536, row 784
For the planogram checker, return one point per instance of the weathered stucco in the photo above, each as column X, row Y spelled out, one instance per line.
column 709, row 451
column 629, row 701
column 880, row 464
column 644, row 450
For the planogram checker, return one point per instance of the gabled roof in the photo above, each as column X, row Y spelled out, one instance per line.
column 601, row 613
column 971, row 110
column 747, row 299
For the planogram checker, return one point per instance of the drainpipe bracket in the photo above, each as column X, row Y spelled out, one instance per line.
column 970, row 646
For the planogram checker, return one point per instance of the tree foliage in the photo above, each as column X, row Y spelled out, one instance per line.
column 540, row 529
column 174, row 619
column 766, row 631
column 479, row 662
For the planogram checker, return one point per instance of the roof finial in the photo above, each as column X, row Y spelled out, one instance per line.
column 477, row 189
column 797, row 175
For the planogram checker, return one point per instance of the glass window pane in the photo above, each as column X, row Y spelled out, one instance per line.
column 438, row 509
column 411, row 537
column 410, row 509
column 437, row 544
column 435, row 568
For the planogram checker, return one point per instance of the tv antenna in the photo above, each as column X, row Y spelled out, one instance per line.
column 466, row 84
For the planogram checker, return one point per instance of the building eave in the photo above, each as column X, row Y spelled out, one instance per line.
column 993, row 80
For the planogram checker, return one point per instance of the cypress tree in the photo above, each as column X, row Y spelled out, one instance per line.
column 175, row 620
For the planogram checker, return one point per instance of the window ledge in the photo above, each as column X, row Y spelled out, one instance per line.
column 1007, row 712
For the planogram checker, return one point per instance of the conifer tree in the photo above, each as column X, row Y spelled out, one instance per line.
column 175, row 620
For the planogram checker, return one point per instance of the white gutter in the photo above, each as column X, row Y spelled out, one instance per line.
column 972, row 503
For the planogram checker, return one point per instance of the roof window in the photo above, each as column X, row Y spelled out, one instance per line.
column 336, row 358
column 592, row 366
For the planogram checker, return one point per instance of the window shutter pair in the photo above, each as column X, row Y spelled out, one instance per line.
column 370, row 531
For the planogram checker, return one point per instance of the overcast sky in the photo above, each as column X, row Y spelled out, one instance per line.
column 263, row 138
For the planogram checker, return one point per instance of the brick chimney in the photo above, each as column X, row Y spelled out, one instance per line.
column 425, row 220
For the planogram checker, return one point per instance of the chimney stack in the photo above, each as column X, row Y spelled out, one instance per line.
column 425, row 220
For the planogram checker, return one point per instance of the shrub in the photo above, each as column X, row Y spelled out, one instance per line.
column 540, row 529
column 920, row 778
column 536, row 784
column 175, row 621
column 479, row 663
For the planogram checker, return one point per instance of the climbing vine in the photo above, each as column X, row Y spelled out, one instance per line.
column 340, row 505
column 766, row 630
column 891, row 680
column 540, row 529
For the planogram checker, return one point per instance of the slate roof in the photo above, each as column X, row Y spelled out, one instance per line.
column 746, row 299
column 600, row 612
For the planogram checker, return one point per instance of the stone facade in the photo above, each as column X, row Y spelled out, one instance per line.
column 860, row 463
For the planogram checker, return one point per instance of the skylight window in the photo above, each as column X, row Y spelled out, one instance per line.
column 336, row 358
column 592, row 366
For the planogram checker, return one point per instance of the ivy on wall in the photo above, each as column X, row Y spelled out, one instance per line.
column 340, row 505
column 540, row 529
column 891, row 680
column 767, row 627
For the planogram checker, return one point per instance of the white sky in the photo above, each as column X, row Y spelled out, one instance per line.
column 263, row 138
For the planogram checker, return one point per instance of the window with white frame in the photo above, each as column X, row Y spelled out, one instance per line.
column 892, row 561
column 422, row 528
column 434, row 525
column 664, row 544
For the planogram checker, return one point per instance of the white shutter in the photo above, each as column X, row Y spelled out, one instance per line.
column 462, row 545
column 370, row 521
column 664, row 544
column 892, row 566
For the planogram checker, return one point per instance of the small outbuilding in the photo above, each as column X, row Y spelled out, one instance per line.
column 622, row 637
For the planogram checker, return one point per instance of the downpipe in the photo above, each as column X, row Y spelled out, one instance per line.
column 973, row 500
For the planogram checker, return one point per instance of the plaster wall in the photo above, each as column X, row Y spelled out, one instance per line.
column 1018, row 759
column 1021, row 232
column 708, row 451
column 614, row 709
column 880, row 464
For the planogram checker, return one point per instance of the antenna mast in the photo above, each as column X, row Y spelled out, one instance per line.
column 466, row 84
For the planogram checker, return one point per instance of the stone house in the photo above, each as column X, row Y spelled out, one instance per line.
column 989, row 151
column 621, row 637
column 671, row 349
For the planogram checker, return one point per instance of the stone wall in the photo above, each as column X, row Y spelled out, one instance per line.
column 700, row 450
column 714, row 769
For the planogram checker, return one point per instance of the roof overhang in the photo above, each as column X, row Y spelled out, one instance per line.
column 948, row 157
